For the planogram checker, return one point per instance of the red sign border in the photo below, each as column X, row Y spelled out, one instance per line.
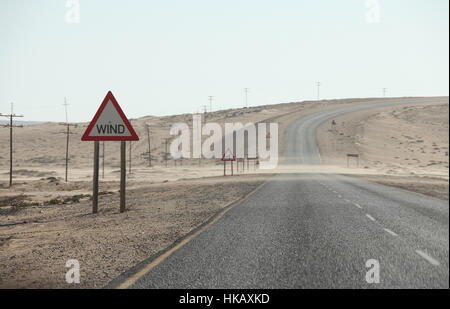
column 110, row 96
column 228, row 160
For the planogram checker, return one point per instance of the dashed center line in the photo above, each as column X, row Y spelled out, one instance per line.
column 390, row 232
column 424, row 255
column 431, row 260
column 357, row 205
column 370, row 217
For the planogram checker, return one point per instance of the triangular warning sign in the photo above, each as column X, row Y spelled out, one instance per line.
column 110, row 123
column 228, row 155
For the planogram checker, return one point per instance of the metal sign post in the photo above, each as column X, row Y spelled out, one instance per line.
column 95, row 178
column 123, row 175
column 228, row 156
column 110, row 124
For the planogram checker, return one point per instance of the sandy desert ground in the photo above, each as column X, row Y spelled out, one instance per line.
column 44, row 221
column 404, row 146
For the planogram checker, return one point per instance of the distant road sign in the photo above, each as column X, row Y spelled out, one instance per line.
column 228, row 156
column 110, row 123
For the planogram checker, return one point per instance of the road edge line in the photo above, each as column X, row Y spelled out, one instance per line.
column 129, row 277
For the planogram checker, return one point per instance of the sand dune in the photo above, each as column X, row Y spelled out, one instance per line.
column 44, row 221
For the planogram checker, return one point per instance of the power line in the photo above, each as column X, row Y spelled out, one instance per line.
column 11, row 126
column 68, row 133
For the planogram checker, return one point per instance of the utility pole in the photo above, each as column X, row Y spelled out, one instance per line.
column 318, row 90
column 205, row 109
column 384, row 92
column 11, row 126
column 149, row 148
column 166, row 154
column 210, row 103
column 246, row 96
column 199, row 128
column 68, row 133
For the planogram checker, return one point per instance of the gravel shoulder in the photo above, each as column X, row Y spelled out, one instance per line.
column 36, row 241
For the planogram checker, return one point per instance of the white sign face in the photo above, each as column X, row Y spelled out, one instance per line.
column 228, row 156
column 110, row 123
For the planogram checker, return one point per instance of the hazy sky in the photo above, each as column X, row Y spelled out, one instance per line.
column 167, row 56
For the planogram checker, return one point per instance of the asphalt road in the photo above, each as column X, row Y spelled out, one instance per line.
column 316, row 231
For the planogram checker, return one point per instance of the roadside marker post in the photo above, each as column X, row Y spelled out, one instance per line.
column 109, row 124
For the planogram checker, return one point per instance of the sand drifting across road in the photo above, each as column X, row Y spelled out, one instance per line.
column 45, row 221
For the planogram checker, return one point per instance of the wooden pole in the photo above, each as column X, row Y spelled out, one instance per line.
column 95, row 178
column 224, row 168
column 10, row 148
column 123, row 174
column 11, row 116
column 166, row 154
column 149, row 148
column 67, row 150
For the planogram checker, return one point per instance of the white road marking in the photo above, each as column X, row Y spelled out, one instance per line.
column 390, row 232
column 335, row 192
column 339, row 196
column 357, row 205
column 348, row 201
column 370, row 217
column 428, row 258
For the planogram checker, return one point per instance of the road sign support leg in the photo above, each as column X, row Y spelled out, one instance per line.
column 123, row 171
column 95, row 178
